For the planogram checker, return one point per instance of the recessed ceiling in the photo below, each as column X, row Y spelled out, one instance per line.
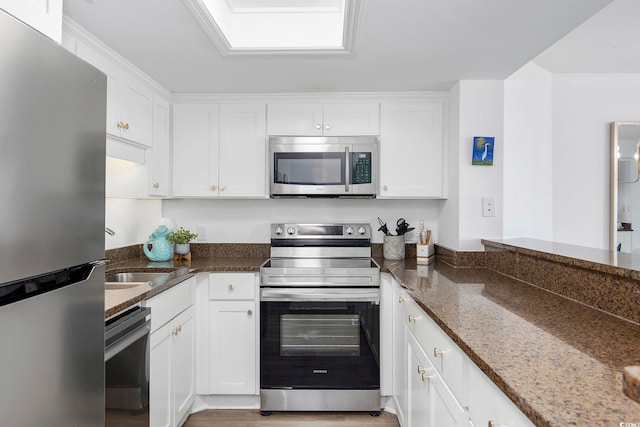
column 249, row 27
column 409, row 45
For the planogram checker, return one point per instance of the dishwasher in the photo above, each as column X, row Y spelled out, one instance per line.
column 127, row 368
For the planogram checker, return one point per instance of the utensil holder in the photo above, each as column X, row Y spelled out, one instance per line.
column 393, row 247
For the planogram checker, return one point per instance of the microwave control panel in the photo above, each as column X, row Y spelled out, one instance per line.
column 361, row 168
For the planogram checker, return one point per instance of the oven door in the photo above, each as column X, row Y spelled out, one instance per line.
column 319, row 338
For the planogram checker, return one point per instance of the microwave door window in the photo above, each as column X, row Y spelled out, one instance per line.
column 309, row 168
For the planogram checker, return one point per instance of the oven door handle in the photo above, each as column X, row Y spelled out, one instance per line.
column 319, row 294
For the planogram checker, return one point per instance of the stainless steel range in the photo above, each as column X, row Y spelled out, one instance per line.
column 320, row 320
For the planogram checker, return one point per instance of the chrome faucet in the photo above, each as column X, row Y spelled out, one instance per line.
column 109, row 231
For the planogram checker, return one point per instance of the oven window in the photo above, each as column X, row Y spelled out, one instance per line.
column 320, row 335
column 309, row 168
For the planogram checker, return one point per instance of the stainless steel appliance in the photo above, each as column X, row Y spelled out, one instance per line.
column 319, row 320
column 52, row 145
column 323, row 166
column 127, row 368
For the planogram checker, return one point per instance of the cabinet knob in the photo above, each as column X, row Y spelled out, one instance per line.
column 222, row 188
column 421, row 370
column 425, row 377
column 400, row 300
column 213, row 188
column 120, row 125
column 318, row 126
column 491, row 423
column 230, row 287
column 126, row 126
column 176, row 330
column 327, row 127
column 156, row 185
column 249, row 312
column 437, row 352
column 384, row 187
column 413, row 318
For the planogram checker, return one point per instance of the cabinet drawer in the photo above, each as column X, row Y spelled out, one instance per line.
column 170, row 303
column 232, row 286
column 415, row 318
column 450, row 361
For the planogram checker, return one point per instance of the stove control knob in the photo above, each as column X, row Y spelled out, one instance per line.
column 291, row 231
column 362, row 230
column 278, row 231
column 349, row 230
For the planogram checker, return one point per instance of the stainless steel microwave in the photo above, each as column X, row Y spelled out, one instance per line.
column 338, row 166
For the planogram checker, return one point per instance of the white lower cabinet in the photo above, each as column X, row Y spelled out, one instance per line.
column 172, row 362
column 229, row 357
column 434, row 382
column 431, row 403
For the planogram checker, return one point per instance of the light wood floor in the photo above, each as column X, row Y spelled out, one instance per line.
column 252, row 418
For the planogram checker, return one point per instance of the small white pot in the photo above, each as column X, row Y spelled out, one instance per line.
column 182, row 248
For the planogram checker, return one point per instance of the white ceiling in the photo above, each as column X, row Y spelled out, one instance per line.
column 402, row 45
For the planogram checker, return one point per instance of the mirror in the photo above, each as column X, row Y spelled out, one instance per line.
column 624, row 231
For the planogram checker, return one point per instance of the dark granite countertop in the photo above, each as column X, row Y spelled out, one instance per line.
column 118, row 300
column 559, row 361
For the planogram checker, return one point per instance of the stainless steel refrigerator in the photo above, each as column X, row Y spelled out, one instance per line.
column 52, row 156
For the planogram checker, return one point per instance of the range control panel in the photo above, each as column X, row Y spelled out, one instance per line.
column 321, row 231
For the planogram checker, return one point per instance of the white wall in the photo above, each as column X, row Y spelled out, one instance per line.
column 528, row 190
column 448, row 224
column 132, row 220
column 248, row 221
column 481, row 114
column 583, row 107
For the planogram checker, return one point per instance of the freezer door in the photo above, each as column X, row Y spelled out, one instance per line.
column 52, row 155
column 52, row 357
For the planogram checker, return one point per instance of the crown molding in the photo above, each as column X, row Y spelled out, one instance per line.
column 74, row 29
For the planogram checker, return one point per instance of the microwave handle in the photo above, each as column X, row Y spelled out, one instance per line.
column 347, row 169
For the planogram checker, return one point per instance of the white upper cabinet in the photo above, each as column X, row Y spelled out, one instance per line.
column 158, row 173
column 412, row 150
column 129, row 110
column 195, row 150
column 42, row 15
column 243, row 151
column 340, row 119
column 219, row 150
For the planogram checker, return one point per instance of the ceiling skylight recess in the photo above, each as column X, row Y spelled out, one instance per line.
column 279, row 26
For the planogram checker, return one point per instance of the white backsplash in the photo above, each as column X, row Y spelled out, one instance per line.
column 247, row 221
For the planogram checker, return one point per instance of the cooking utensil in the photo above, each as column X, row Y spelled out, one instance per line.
column 383, row 227
column 402, row 227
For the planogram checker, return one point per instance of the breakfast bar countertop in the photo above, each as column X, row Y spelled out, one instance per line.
column 559, row 361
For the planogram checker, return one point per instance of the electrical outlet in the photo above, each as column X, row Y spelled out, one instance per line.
column 488, row 206
column 201, row 230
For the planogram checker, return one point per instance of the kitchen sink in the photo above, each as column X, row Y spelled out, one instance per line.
column 136, row 277
column 119, row 286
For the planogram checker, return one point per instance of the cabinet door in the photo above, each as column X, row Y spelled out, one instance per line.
column 412, row 150
column 295, row 119
column 43, row 15
column 242, row 156
column 488, row 404
column 158, row 160
column 351, row 119
column 195, row 150
column 160, row 393
column 135, row 105
column 399, row 355
column 431, row 403
column 233, row 347
column 182, row 364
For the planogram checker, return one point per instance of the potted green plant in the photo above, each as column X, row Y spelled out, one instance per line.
column 181, row 238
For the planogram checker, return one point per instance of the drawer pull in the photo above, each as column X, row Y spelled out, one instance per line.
column 423, row 373
column 230, row 287
column 413, row 318
column 437, row 352
column 400, row 300
column 249, row 312
column 492, row 424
